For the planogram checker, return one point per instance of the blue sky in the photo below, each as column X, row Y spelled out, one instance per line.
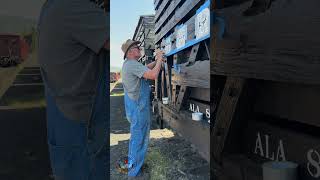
column 124, row 16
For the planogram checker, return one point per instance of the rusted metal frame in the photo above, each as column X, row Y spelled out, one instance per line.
column 144, row 37
column 141, row 29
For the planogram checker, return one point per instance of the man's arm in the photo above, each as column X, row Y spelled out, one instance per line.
column 153, row 74
column 152, row 65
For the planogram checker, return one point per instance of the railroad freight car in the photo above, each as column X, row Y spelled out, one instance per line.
column 182, row 30
column 265, row 82
column 114, row 76
column 13, row 50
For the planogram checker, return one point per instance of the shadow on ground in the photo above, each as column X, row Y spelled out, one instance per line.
column 24, row 152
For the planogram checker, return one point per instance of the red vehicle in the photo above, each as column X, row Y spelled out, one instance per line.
column 114, row 76
column 13, row 49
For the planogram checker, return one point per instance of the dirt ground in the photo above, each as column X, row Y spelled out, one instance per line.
column 169, row 156
column 24, row 152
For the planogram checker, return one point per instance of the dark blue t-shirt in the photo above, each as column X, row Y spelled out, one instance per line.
column 71, row 35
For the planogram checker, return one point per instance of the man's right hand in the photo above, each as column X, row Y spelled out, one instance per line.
column 153, row 74
column 159, row 55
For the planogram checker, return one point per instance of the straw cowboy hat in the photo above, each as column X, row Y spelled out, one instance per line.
column 127, row 45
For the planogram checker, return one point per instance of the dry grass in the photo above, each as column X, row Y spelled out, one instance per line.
column 30, row 101
column 157, row 164
column 117, row 94
column 27, row 104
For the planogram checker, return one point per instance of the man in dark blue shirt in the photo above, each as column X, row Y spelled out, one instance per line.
column 72, row 36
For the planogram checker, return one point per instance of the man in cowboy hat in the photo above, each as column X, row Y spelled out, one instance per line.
column 137, row 101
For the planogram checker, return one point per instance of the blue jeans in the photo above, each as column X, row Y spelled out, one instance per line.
column 138, row 114
column 79, row 151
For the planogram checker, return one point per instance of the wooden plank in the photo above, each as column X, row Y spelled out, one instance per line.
column 289, row 101
column 281, row 44
column 163, row 86
column 174, row 86
column 156, row 3
column 202, row 94
column 197, row 106
column 159, row 22
column 182, row 57
column 198, row 133
column 174, row 94
column 265, row 142
column 220, row 4
column 184, row 36
column 196, row 75
column 207, row 49
column 161, row 8
column 194, row 53
column 168, row 81
column 164, row 16
column 239, row 167
column 158, row 87
column 225, row 112
column 181, row 97
column 179, row 14
column 156, row 84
